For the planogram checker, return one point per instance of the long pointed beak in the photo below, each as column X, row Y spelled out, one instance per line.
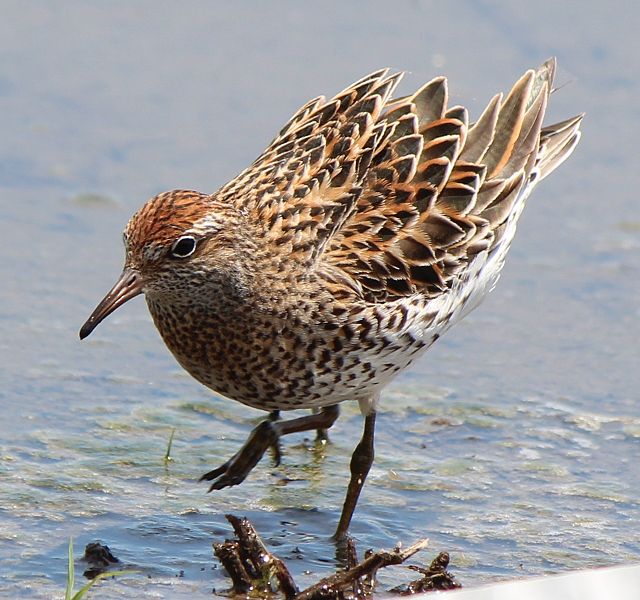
column 128, row 286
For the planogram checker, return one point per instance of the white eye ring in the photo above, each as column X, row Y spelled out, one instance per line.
column 184, row 246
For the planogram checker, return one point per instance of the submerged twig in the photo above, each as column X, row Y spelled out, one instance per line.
column 367, row 567
column 249, row 563
column 253, row 568
column 435, row 578
column 228, row 554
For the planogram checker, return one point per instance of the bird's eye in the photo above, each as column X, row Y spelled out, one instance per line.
column 183, row 247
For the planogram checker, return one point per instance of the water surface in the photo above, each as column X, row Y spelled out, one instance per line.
column 513, row 444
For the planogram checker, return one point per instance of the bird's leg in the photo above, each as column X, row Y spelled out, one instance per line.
column 321, row 433
column 361, row 462
column 274, row 415
column 265, row 435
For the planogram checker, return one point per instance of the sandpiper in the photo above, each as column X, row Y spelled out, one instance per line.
column 366, row 229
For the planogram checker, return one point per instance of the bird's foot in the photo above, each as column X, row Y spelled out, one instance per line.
column 236, row 469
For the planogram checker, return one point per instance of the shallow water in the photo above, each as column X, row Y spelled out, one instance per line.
column 513, row 444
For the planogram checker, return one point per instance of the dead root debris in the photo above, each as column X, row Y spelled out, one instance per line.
column 254, row 570
column 98, row 558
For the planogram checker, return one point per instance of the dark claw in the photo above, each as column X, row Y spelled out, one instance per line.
column 227, row 480
column 266, row 435
column 235, row 470
column 216, row 472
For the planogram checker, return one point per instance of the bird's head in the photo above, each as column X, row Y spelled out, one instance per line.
column 176, row 241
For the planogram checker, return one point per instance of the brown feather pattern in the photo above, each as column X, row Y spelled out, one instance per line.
column 365, row 229
column 400, row 195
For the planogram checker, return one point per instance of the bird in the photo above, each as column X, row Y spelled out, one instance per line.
column 366, row 229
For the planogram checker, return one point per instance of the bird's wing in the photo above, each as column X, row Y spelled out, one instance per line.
column 303, row 188
column 439, row 191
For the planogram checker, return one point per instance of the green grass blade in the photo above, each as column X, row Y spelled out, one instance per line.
column 85, row 588
column 70, row 573
column 167, row 455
